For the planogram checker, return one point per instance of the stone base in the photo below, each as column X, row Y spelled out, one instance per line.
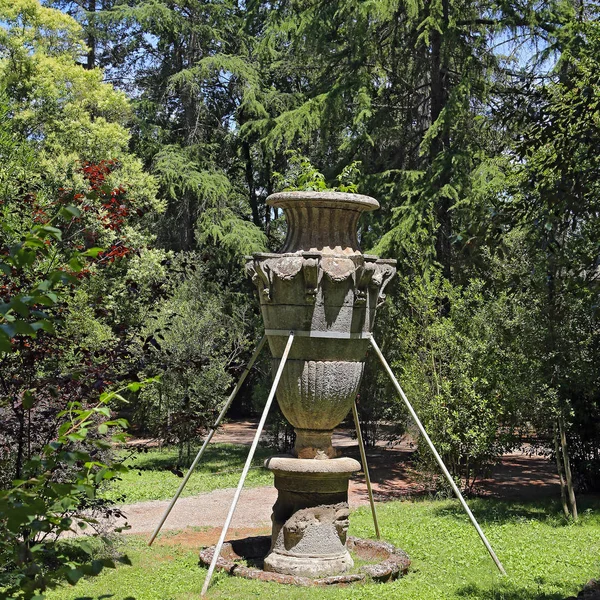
column 308, row 566
column 310, row 517
column 245, row 557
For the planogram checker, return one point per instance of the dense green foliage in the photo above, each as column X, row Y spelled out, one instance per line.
column 545, row 558
column 57, row 494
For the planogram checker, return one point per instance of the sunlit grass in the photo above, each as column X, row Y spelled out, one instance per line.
column 546, row 558
column 150, row 476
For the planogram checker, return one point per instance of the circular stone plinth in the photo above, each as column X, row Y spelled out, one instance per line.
column 286, row 463
column 391, row 562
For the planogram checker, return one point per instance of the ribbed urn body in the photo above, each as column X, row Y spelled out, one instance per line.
column 323, row 288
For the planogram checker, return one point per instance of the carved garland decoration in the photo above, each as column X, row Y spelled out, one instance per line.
column 367, row 272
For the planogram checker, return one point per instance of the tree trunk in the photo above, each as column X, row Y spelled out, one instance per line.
column 561, row 474
column 250, row 183
column 268, row 209
column 91, row 38
column 439, row 99
column 561, row 446
column 567, row 467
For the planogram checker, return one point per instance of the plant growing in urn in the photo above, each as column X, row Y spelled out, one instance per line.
column 322, row 287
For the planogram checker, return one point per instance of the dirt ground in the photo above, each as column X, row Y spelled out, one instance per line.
column 519, row 475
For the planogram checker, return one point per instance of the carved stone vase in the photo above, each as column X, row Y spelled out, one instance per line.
column 327, row 291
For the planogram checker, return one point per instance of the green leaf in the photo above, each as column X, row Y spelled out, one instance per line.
column 75, row 264
column 74, row 575
column 85, row 546
column 67, row 503
column 62, row 277
column 104, row 474
column 96, row 567
column 44, row 286
column 5, row 345
column 48, row 299
column 68, row 212
column 103, row 410
column 18, row 304
column 11, row 329
column 33, row 241
column 28, row 400
column 50, row 231
column 23, row 257
column 93, row 252
column 44, row 324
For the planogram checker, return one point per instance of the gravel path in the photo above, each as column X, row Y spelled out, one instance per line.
column 518, row 476
column 210, row 509
column 204, row 510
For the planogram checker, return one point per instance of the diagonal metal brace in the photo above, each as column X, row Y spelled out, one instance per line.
column 363, row 456
column 438, row 458
column 238, row 491
column 209, row 437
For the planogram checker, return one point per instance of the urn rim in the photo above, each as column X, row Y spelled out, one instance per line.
column 339, row 200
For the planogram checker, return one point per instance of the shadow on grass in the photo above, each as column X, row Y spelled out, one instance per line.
column 103, row 597
column 488, row 511
column 507, row 593
column 216, row 458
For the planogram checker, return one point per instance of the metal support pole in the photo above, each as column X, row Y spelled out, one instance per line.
column 209, row 436
column 363, row 457
column 238, row 491
column 438, row 458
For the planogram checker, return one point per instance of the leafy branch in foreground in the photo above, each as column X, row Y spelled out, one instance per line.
column 57, row 496
column 26, row 311
column 58, row 474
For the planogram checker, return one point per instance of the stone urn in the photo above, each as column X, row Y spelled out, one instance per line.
column 321, row 286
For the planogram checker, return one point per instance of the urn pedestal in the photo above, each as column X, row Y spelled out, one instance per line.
column 310, row 516
column 324, row 289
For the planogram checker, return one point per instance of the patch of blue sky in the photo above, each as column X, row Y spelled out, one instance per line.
column 522, row 52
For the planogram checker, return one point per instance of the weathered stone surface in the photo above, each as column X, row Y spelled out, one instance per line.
column 310, row 517
column 392, row 562
column 320, row 283
column 317, row 395
column 322, row 287
column 322, row 221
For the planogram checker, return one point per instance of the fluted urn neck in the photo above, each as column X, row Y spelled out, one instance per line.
column 322, row 221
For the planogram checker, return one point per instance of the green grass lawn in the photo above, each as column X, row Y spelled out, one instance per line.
column 149, row 477
column 546, row 558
